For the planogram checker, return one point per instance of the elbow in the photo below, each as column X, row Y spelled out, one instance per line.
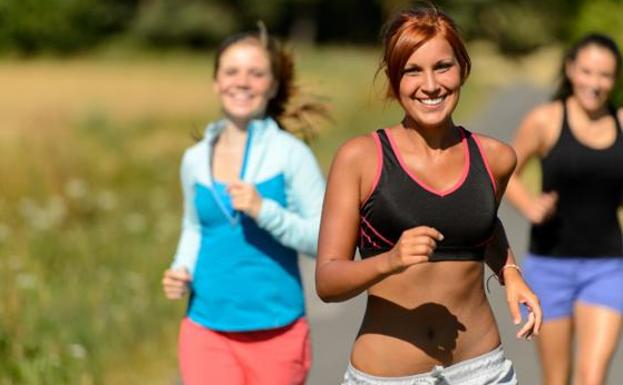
column 331, row 285
column 328, row 297
column 327, row 293
column 321, row 290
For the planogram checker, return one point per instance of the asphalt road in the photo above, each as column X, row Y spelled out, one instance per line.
column 334, row 325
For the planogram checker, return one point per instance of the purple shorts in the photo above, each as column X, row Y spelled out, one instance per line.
column 561, row 282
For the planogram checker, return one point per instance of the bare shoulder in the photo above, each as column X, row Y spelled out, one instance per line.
column 539, row 130
column 357, row 151
column 500, row 156
column 543, row 114
column 358, row 160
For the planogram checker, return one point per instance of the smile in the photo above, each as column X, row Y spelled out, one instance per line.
column 241, row 96
column 432, row 102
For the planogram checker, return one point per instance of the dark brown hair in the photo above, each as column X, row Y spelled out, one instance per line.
column 406, row 31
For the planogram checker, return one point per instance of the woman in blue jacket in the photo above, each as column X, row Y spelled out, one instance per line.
column 252, row 201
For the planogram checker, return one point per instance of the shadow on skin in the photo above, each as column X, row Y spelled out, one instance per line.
column 430, row 326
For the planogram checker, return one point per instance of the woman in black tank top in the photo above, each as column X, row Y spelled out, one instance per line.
column 419, row 200
column 575, row 263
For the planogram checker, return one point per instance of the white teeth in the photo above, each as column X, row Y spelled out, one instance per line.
column 241, row 96
column 432, row 102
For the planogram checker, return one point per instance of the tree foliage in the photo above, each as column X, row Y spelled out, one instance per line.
column 65, row 26
column 32, row 26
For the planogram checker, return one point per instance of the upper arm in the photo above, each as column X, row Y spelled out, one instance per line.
column 530, row 137
column 339, row 225
column 187, row 182
column 306, row 183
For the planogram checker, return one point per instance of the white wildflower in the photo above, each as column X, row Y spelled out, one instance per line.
column 77, row 351
column 106, row 200
column 25, row 281
column 76, row 188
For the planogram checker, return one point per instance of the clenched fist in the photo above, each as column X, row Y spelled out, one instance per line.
column 245, row 198
column 415, row 246
column 175, row 283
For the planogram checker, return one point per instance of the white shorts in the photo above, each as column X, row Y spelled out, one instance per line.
column 491, row 368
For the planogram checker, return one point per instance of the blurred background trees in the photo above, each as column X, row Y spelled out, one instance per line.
column 67, row 26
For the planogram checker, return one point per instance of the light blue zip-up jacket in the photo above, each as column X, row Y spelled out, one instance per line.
column 245, row 272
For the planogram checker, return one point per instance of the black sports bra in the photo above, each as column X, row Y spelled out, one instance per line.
column 465, row 214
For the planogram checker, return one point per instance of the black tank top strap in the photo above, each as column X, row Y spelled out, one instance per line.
column 565, row 131
column 389, row 157
column 478, row 159
column 615, row 116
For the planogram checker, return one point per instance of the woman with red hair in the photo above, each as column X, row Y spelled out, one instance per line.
column 423, row 214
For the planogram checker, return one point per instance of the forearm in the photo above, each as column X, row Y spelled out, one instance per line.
column 498, row 252
column 339, row 280
column 518, row 195
column 187, row 249
column 289, row 228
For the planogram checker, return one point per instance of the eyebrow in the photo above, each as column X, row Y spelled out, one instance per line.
column 410, row 66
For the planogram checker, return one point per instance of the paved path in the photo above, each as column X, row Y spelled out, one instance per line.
column 334, row 325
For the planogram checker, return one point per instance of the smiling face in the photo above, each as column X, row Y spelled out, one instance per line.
column 592, row 75
column 244, row 81
column 430, row 84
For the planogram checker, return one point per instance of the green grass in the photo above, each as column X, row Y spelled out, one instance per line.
column 90, row 201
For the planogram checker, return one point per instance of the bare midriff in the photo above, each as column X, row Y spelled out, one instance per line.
column 430, row 314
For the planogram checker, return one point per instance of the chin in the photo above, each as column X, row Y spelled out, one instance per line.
column 593, row 105
column 432, row 120
column 241, row 114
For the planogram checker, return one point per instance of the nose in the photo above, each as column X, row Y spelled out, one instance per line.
column 430, row 85
column 242, row 80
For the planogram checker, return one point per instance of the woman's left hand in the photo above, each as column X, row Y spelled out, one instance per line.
column 245, row 198
column 517, row 293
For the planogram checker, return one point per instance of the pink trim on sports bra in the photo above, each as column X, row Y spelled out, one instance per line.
column 430, row 189
column 363, row 233
column 376, row 232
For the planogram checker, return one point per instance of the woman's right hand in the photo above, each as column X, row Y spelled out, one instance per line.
column 175, row 283
column 542, row 207
column 415, row 246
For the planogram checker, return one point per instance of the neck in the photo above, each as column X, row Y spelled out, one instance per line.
column 234, row 133
column 591, row 115
column 436, row 137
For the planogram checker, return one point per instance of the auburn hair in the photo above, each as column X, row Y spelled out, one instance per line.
column 408, row 30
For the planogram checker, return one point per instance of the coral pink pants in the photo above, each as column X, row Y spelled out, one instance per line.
column 268, row 357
